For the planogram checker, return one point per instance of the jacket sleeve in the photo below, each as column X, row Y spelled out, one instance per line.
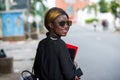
column 66, row 64
column 38, row 60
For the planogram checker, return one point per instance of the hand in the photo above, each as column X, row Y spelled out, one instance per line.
column 77, row 78
column 76, row 64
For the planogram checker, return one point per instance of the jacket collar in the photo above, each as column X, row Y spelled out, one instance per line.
column 52, row 36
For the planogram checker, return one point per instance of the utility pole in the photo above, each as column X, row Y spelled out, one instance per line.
column 7, row 4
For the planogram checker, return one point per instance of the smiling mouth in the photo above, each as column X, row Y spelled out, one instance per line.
column 65, row 31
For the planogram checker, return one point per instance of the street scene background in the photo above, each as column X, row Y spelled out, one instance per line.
column 96, row 33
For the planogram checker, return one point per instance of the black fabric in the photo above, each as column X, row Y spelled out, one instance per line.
column 52, row 61
column 72, row 53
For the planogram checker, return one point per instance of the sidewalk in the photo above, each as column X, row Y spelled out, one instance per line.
column 23, row 53
column 12, row 76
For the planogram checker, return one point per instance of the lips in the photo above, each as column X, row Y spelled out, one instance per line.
column 65, row 31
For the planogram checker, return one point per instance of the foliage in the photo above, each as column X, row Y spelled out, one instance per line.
column 113, row 7
column 92, row 7
column 90, row 20
column 39, row 12
column 2, row 5
column 103, row 6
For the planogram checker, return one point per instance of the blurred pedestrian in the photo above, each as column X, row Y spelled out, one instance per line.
column 105, row 24
column 94, row 25
column 53, row 61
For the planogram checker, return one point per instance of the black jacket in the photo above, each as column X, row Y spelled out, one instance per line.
column 52, row 61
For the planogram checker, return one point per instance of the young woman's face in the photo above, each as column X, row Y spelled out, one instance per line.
column 61, row 25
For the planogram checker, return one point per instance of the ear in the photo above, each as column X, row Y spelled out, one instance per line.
column 51, row 25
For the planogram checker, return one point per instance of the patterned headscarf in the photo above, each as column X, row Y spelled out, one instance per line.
column 52, row 14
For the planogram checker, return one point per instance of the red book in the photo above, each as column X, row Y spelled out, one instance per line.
column 72, row 50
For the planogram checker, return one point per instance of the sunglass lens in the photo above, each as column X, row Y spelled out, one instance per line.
column 69, row 23
column 62, row 23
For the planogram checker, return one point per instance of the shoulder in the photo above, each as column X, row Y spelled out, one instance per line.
column 51, row 41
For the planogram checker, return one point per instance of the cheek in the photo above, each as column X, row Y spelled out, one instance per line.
column 58, row 30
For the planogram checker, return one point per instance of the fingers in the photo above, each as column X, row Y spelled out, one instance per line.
column 77, row 78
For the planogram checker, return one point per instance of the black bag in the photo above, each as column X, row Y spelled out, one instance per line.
column 27, row 75
column 2, row 53
column 79, row 72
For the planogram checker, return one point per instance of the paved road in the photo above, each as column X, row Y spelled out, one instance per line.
column 98, row 54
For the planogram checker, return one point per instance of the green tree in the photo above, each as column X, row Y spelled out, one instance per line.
column 103, row 6
column 92, row 7
column 38, row 12
column 113, row 6
column 2, row 5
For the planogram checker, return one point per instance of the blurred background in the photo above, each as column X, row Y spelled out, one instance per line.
column 95, row 30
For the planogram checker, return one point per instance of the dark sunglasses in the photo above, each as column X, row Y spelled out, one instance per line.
column 62, row 23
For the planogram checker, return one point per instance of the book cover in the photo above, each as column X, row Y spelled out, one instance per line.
column 72, row 50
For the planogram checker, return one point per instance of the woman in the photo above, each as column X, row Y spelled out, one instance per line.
column 52, row 60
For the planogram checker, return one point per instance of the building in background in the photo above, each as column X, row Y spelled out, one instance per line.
column 72, row 6
column 12, row 21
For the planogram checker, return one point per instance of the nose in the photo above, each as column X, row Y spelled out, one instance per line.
column 66, row 27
